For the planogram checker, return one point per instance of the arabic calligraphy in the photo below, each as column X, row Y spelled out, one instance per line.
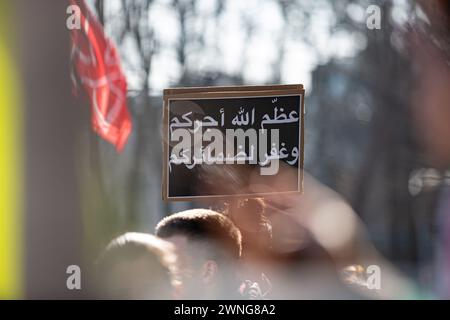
column 209, row 139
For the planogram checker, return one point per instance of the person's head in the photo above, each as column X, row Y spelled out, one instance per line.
column 249, row 216
column 137, row 266
column 209, row 247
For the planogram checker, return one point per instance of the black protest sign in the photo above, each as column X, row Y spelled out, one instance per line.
column 232, row 141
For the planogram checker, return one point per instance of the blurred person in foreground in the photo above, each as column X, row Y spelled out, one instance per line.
column 430, row 50
column 294, row 245
column 209, row 248
column 314, row 236
column 330, row 236
column 287, row 263
column 137, row 266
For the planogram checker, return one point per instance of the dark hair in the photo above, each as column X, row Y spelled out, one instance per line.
column 256, row 205
column 206, row 226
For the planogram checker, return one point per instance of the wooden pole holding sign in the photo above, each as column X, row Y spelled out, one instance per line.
column 232, row 141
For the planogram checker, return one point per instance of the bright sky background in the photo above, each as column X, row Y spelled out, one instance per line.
column 230, row 37
column 225, row 41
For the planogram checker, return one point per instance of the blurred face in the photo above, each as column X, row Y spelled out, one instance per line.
column 191, row 267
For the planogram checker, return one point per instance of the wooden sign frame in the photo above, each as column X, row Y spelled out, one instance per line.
column 229, row 92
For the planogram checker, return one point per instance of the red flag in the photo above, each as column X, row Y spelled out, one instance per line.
column 97, row 65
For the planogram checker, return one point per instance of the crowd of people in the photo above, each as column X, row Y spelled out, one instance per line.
column 206, row 254
column 289, row 247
